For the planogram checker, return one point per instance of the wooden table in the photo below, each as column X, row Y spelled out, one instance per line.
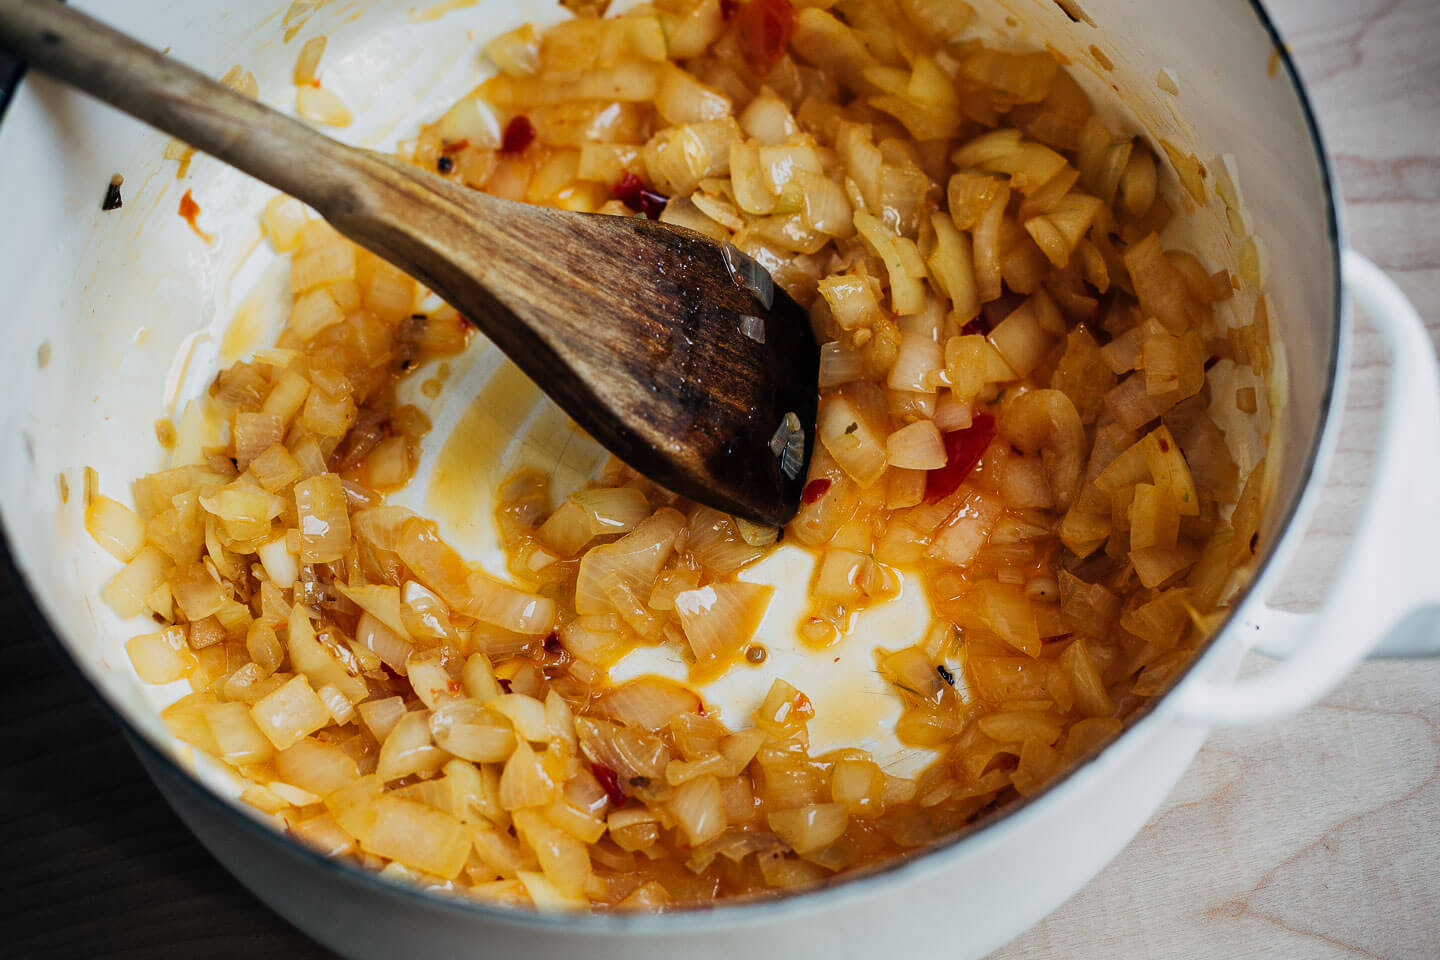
column 1314, row 838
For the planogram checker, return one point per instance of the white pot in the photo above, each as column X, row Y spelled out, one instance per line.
column 115, row 297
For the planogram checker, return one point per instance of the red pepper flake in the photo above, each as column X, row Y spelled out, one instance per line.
column 963, row 450
column 765, row 29
column 1057, row 638
column 188, row 211
column 610, row 782
column 728, row 9
column 975, row 328
column 519, row 134
column 552, row 643
column 814, row 490
column 455, row 687
column 455, row 147
column 1164, row 444
column 632, row 192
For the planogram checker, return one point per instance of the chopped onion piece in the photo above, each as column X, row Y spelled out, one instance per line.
column 720, row 619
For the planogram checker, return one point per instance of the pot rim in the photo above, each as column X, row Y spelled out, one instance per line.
column 857, row 884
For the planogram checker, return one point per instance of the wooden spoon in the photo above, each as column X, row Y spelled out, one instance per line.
column 637, row 328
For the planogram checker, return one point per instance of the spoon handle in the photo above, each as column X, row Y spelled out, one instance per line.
column 178, row 100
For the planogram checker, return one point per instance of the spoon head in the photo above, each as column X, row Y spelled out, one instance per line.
column 707, row 380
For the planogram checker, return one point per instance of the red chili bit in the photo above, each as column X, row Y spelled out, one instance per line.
column 519, row 134
column 189, row 210
column 632, row 192
column 609, row 782
column 728, row 9
column 814, row 490
column 963, row 450
column 455, row 147
column 1057, row 638
column 975, row 328
column 552, row 643
column 765, row 29
column 1164, row 444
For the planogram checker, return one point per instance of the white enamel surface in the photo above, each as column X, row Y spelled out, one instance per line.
column 120, row 296
column 854, row 705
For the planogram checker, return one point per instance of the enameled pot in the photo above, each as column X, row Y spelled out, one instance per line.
column 113, row 318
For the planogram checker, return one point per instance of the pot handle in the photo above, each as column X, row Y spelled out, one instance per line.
column 1385, row 594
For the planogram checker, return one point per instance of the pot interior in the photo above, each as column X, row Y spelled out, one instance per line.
column 120, row 317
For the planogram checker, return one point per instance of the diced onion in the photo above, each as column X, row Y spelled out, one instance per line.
column 810, row 827
column 649, row 702
column 115, row 527
column 322, row 106
column 290, row 714
column 699, row 810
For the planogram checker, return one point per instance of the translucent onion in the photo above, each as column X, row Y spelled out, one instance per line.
column 418, row 836
column 810, row 827
column 649, row 702
column 767, row 119
column 567, row 529
column 380, row 716
column 508, row 608
column 308, row 62
column 699, row 810
column 919, row 359
column 684, row 99
column 281, row 566
column 424, row 614
column 290, row 714
column 322, row 106
column 237, row 737
column 478, row 678
column 851, row 300
column 323, row 519
column 526, row 715
column 472, row 731
column 162, row 657
column 282, row 219
column 381, row 601
column 117, row 528
column 611, row 510
column 430, row 678
column 967, row 529
column 516, row 52
column 715, row 542
column 636, row 558
column 322, row 768
column 851, row 438
column 839, row 365
column 720, row 619
column 524, row 782
column 127, row 590
column 389, row 646
column 600, row 640
column 409, row 749
column 564, row 860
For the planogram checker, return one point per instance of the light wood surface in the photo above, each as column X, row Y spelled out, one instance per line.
column 1315, row 838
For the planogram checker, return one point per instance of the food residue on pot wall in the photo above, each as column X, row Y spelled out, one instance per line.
column 188, row 211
